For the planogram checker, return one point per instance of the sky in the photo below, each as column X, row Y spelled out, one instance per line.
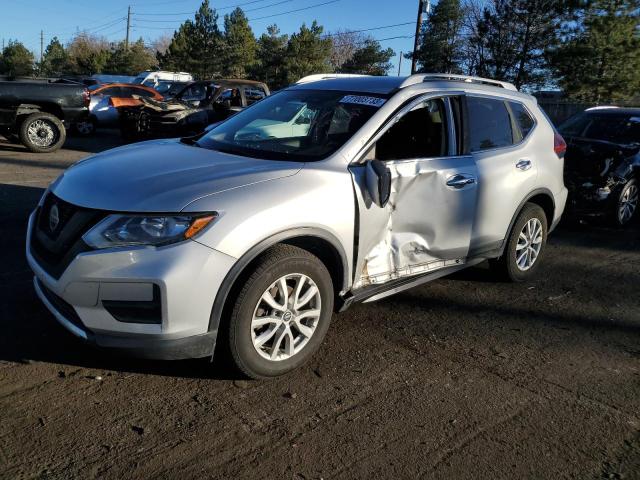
column 24, row 19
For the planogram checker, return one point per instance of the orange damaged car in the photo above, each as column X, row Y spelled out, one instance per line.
column 105, row 100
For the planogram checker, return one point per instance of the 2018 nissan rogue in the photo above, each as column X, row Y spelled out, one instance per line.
column 332, row 191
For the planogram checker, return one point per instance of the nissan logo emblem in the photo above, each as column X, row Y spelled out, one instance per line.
column 54, row 218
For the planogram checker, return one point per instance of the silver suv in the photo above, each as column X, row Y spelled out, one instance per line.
column 333, row 191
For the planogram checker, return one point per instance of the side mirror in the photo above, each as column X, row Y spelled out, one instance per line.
column 378, row 179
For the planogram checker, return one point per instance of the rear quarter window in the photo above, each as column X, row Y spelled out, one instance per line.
column 489, row 124
column 522, row 119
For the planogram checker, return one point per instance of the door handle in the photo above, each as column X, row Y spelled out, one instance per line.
column 524, row 165
column 460, row 181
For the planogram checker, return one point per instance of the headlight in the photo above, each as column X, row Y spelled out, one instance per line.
column 156, row 230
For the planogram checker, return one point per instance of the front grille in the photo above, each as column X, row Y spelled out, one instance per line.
column 65, row 309
column 55, row 244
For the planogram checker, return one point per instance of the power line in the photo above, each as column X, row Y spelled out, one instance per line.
column 248, row 10
column 366, row 29
column 297, row 10
column 229, row 7
column 141, row 26
column 362, row 42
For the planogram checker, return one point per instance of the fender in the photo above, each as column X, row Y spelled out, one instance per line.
column 538, row 191
column 256, row 250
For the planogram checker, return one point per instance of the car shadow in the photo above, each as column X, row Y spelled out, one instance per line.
column 100, row 141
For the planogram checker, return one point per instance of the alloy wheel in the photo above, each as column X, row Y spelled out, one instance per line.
column 529, row 244
column 42, row 133
column 627, row 204
column 286, row 317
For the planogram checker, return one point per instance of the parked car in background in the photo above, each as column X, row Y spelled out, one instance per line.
column 197, row 105
column 102, row 110
column 151, row 79
column 603, row 163
column 102, row 78
column 38, row 112
column 166, row 248
column 169, row 89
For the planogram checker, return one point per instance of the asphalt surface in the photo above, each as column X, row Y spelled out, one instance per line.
column 465, row 377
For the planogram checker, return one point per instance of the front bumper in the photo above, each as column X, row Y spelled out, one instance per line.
column 187, row 275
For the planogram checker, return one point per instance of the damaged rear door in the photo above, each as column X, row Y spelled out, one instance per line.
column 426, row 224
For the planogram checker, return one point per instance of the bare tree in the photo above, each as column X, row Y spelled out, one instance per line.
column 345, row 44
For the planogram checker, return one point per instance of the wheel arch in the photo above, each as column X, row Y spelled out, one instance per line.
column 319, row 242
column 541, row 197
column 27, row 109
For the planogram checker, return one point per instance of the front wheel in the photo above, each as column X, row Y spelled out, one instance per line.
column 281, row 314
column 42, row 132
column 525, row 245
column 627, row 204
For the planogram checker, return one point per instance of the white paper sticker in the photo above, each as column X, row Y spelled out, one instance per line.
column 634, row 119
column 363, row 100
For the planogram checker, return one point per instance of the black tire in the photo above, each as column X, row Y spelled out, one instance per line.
column 237, row 333
column 506, row 267
column 630, row 188
column 51, row 122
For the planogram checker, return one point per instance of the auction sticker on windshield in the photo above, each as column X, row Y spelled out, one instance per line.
column 363, row 100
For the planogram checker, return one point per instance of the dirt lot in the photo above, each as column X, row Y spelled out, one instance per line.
column 462, row 378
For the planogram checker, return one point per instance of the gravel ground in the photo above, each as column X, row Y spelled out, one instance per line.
column 461, row 378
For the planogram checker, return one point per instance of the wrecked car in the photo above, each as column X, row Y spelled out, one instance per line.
column 251, row 235
column 603, row 163
column 197, row 105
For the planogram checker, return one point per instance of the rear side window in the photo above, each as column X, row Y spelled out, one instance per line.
column 489, row 124
column 522, row 118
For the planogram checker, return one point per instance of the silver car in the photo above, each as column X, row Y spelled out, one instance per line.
column 247, row 239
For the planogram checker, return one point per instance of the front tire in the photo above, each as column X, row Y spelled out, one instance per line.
column 281, row 314
column 42, row 132
column 627, row 204
column 525, row 246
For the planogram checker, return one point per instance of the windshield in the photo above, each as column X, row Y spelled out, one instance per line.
column 139, row 79
column 615, row 128
column 302, row 125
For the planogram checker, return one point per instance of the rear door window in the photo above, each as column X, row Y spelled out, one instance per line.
column 489, row 124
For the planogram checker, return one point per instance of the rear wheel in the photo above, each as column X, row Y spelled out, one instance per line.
column 525, row 245
column 627, row 203
column 42, row 132
column 281, row 314
column 86, row 127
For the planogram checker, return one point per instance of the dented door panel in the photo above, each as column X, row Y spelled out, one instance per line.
column 425, row 226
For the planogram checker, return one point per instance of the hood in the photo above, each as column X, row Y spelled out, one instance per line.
column 596, row 158
column 161, row 176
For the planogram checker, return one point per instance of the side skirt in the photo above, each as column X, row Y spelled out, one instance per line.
column 377, row 292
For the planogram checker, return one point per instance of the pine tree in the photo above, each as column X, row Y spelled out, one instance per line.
column 16, row 60
column 270, row 56
column 599, row 60
column 307, row 53
column 369, row 59
column 441, row 42
column 137, row 58
column 240, row 45
column 54, row 60
column 197, row 46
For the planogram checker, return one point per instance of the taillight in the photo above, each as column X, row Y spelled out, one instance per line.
column 86, row 97
column 559, row 145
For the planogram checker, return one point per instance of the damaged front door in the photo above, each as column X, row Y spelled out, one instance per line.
column 426, row 224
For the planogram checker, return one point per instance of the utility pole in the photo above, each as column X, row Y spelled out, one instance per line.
column 41, row 49
column 423, row 6
column 126, row 40
column 400, row 64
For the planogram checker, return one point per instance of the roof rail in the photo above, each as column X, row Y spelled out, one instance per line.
column 425, row 77
column 327, row 76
